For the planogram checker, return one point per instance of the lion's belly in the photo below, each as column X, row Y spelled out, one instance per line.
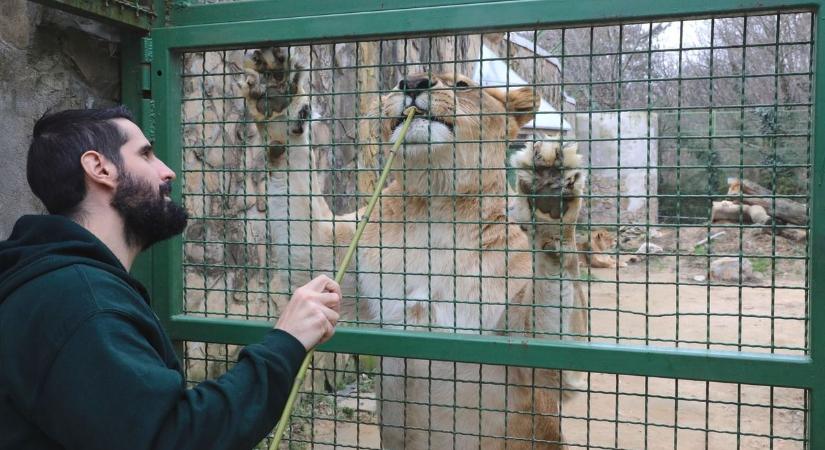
column 435, row 279
column 432, row 281
column 419, row 414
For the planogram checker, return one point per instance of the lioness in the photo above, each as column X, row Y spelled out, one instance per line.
column 592, row 252
column 445, row 252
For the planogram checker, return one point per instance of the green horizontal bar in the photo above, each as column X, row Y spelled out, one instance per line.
column 704, row 365
column 438, row 18
column 279, row 9
column 109, row 12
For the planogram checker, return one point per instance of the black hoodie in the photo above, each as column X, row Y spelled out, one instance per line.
column 85, row 364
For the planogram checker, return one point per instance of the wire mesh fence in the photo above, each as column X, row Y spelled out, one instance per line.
column 682, row 222
column 612, row 412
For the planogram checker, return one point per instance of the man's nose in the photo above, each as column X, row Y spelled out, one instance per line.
column 166, row 174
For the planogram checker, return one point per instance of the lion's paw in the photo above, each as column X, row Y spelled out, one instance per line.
column 299, row 125
column 549, row 183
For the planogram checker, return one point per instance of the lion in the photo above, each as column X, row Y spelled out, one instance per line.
column 593, row 252
column 274, row 87
column 446, row 251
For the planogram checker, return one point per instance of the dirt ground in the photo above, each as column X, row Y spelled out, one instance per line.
column 660, row 302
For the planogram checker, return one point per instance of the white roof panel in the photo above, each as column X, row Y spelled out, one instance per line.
column 494, row 72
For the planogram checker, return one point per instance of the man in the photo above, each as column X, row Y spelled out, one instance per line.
column 84, row 363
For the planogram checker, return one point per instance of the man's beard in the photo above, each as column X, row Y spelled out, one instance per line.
column 148, row 216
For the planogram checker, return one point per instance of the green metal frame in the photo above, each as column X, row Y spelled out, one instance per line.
column 129, row 14
column 256, row 22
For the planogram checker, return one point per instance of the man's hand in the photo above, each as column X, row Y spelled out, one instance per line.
column 311, row 314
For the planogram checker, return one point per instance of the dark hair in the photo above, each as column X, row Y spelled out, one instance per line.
column 59, row 139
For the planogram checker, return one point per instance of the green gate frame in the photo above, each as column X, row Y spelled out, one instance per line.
column 248, row 23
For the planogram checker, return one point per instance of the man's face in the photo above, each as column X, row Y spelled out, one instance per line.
column 143, row 190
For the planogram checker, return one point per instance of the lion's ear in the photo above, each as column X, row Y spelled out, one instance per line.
column 599, row 237
column 252, row 61
column 521, row 105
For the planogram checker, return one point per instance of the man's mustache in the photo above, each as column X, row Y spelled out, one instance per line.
column 166, row 189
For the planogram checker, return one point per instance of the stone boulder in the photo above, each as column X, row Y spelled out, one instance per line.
column 732, row 270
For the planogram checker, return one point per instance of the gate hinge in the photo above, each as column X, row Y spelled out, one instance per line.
column 147, row 118
column 146, row 66
column 147, row 104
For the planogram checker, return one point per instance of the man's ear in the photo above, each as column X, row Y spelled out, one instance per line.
column 99, row 169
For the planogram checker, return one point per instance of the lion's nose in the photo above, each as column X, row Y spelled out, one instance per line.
column 413, row 86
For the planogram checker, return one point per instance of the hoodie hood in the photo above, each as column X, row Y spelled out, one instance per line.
column 42, row 244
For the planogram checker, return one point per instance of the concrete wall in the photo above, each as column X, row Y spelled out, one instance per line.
column 623, row 156
column 49, row 60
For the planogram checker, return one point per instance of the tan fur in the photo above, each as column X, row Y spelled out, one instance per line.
column 592, row 253
column 438, row 235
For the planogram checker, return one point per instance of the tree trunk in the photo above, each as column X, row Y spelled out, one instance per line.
column 788, row 211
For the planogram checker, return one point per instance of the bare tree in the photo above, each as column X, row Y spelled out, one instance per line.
column 607, row 67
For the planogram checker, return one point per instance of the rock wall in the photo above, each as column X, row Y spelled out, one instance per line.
column 49, row 60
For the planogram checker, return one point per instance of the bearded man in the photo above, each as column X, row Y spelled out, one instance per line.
column 84, row 362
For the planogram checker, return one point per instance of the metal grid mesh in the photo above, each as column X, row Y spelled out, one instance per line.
column 613, row 412
column 664, row 114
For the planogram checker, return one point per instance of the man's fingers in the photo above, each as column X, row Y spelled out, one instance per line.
column 323, row 283
column 313, row 311
column 319, row 283
column 328, row 332
column 330, row 300
column 332, row 316
column 331, row 327
column 332, row 286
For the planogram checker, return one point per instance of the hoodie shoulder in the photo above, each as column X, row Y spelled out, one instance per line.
column 41, row 245
column 38, row 317
column 75, row 290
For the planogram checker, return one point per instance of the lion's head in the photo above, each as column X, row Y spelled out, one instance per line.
column 602, row 240
column 458, row 125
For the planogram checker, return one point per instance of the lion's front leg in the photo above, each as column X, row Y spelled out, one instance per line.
column 550, row 185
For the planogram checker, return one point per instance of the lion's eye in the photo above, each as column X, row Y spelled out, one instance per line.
column 461, row 84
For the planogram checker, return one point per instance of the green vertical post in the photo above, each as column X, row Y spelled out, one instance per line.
column 816, row 242
column 167, row 257
column 133, row 87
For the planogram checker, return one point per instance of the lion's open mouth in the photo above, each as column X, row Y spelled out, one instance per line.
column 420, row 114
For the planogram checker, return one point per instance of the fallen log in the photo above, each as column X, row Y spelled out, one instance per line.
column 750, row 193
column 793, row 234
column 728, row 211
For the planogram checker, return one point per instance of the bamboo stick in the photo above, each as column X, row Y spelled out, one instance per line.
column 342, row 270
